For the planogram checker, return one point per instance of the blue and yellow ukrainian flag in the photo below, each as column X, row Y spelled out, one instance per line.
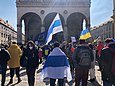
column 85, row 34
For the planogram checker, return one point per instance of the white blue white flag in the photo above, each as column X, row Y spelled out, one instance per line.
column 54, row 28
column 56, row 66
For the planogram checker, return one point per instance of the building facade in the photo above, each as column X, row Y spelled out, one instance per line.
column 7, row 33
column 38, row 15
column 104, row 30
column 114, row 15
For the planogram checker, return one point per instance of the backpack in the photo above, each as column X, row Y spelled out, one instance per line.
column 85, row 57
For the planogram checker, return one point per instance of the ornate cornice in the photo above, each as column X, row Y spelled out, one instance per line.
column 52, row 3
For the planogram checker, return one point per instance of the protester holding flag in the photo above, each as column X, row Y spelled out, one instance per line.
column 56, row 67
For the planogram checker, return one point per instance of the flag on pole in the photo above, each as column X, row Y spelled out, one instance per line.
column 54, row 28
column 85, row 34
column 41, row 38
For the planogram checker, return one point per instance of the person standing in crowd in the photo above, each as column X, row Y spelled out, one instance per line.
column 56, row 67
column 92, row 69
column 69, row 55
column 4, row 57
column 6, row 46
column 22, row 47
column 99, row 47
column 14, row 62
column 46, row 51
column 106, row 61
column 40, row 54
column 31, row 53
column 82, row 58
column 63, row 47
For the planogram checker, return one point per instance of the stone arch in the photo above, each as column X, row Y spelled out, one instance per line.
column 48, row 20
column 74, row 24
column 32, row 23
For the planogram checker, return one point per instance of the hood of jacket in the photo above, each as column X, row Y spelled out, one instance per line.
column 112, row 47
column 14, row 46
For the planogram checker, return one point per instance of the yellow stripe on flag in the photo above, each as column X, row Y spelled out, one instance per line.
column 85, row 36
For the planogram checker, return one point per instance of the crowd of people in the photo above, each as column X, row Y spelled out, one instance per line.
column 60, row 61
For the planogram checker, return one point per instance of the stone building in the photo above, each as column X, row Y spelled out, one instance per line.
column 114, row 15
column 7, row 33
column 104, row 30
column 38, row 15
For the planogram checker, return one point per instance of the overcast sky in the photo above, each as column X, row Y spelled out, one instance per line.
column 101, row 11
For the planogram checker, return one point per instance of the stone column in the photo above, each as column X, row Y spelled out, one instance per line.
column 26, row 33
column 88, row 23
column 114, row 18
column 19, row 33
column 42, row 28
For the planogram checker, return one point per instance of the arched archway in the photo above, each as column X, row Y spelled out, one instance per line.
column 32, row 23
column 75, row 24
column 47, row 22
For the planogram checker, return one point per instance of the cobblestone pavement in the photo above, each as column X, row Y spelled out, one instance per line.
column 40, row 83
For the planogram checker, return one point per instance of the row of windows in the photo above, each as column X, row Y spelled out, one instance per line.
column 4, row 28
column 101, row 31
column 103, row 36
column 6, row 36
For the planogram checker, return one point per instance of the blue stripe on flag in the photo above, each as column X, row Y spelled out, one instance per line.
column 55, row 24
column 84, row 32
column 54, row 61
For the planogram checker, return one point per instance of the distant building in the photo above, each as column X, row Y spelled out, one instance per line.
column 7, row 33
column 104, row 30
column 114, row 15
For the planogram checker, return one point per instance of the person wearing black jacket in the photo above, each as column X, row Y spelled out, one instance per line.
column 31, row 53
column 106, row 63
column 82, row 62
column 4, row 57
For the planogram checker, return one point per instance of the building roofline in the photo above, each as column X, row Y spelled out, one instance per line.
column 7, row 25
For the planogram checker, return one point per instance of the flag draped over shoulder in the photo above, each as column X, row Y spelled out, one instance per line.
column 54, row 28
column 85, row 34
column 56, row 66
